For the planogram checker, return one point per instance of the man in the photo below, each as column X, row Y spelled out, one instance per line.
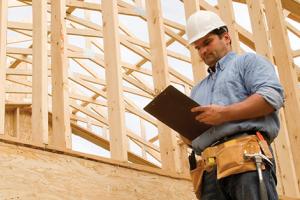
column 240, row 96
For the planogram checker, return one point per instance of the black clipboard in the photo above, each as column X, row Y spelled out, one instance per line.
column 173, row 108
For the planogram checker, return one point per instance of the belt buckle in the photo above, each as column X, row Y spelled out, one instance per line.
column 211, row 161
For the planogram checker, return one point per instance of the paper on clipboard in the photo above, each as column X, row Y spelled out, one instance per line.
column 173, row 108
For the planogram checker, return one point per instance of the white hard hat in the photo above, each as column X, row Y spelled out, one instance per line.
column 201, row 23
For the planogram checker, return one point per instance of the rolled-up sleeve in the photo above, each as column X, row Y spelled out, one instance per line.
column 272, row 96
column 260, row 78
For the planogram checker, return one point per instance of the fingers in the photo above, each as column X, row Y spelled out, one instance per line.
column 200, row 109
column 208, row 114
column 202, row 116
column 207, row 119
column 203, row 112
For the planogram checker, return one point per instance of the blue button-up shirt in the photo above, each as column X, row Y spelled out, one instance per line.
column 236, row 78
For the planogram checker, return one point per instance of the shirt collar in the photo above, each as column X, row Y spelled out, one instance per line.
column 222, row 62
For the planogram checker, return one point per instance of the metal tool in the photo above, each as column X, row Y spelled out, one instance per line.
column 258, row 158
column 192, row 161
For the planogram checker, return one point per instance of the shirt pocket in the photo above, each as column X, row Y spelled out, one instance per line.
column 229, row 88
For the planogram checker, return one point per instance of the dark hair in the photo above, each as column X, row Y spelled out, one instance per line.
column 219, row 31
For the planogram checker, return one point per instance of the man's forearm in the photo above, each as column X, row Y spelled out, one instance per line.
column 253, row 107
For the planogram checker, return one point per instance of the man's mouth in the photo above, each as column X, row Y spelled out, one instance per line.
column 208, row 56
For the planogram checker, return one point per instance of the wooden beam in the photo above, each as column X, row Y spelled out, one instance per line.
column 287, row 74
column 16, row 122
column 245, row 37
column 89, row 113
column 20, row 51
column 39, row 73
column 286, row 174
column 59, row 67
column 227, row 14
column 150, row 147
column 285, row 161
column 12, row 4
column 73, row 4
column 100, row 141
column 140, row 3
column 71, row 31
column 71, row 9
column 3, row 28
column 160, row 73
column 199, row 67
column 293, row 6
column 113, row 72
column 293, row 29
column 296, row 53
column 298, row 73
column 97, row 32
column 259, row 28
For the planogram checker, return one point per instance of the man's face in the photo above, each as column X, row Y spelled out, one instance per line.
column 212, row 48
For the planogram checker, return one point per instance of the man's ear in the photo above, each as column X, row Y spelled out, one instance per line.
column 227, row 38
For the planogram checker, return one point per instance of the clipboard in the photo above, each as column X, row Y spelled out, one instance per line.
column 173, row 108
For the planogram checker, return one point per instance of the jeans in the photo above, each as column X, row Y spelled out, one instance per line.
column 242, row 186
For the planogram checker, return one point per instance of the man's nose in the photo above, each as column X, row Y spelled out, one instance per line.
column 202, row 51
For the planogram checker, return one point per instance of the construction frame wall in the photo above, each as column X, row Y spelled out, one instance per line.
column 52, row 89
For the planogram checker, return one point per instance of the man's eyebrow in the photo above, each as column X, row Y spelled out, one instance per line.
column 207, row 40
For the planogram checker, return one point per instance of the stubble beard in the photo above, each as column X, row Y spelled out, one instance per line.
column 211, row 59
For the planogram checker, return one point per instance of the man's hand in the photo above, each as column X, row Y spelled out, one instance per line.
column 253, row 107
column 211, row 114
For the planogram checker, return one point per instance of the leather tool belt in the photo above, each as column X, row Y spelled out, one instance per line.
column 228, row 158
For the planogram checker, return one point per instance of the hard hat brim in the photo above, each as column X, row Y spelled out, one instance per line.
column 203, row 34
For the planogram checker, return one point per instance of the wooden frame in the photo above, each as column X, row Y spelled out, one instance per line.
column 284, row 62
column 39, row 73
column 3, row 27
column 113, row 73
column 102, row 101
column 59, row 67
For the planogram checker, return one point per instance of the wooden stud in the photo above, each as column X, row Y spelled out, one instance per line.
column 283, row 152
column 88, row 44
column 16, row 122
column 39, row 73
column 3, row 28
column 183, row 159
column 199, row 67
column 113, row 72
column 142, row 49
column 227, row 14
column 59, row 68
column 292, row 6
column 285, row 161
column 287, row 74
column 258, row 24
column 140, row 3
column 160, row 73
column 143, row 135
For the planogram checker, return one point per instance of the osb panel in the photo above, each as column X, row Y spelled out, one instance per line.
column 28, row 173
column 25, row 125
column 9, row 123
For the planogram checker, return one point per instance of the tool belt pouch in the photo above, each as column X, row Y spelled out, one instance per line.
column 230, row 156
column 196, row 176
